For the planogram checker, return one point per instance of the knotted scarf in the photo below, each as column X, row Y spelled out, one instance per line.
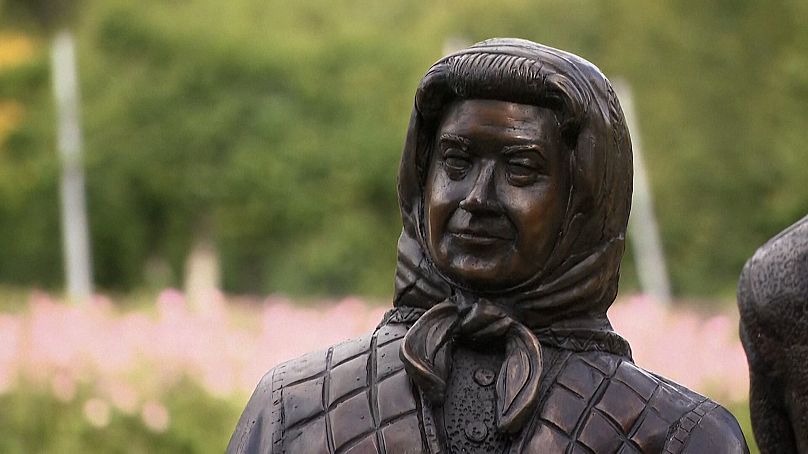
column 427, row 353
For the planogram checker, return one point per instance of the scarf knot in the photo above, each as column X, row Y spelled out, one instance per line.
column 427, row 355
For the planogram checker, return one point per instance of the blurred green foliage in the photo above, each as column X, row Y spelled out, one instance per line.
column 35, row 421
column 277, row 126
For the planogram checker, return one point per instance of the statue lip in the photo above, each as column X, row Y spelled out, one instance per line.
column 480, row 235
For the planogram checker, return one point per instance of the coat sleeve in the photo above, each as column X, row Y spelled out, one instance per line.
column 256, row 431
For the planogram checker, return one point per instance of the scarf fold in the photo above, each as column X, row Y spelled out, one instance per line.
column 427, row 353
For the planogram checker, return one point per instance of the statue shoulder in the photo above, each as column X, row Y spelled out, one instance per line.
column 292, row 397
column 693, row 423
column 259, row 421
column 705, row 427
column 716, row 432
column 262, row 422
column 775, row 275
column 773, row 288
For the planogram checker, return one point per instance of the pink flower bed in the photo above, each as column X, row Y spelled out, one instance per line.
column 129, row 359
column 702, row 352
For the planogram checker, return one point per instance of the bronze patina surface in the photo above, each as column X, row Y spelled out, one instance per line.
column 514, row 189
column 773, row 299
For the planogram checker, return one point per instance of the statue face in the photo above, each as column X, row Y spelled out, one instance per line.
column 495, row 193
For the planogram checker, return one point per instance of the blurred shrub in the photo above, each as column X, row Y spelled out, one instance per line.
column 277, row 127
column 189, row 420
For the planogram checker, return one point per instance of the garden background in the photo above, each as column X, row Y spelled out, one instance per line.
column 268, row 134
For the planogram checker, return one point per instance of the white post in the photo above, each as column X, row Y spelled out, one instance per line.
column 75, row 236
column 202, row 274
column 643, row 231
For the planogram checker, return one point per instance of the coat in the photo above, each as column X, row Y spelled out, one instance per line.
column 355, row 397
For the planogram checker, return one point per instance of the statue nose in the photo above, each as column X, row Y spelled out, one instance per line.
column 482, row 196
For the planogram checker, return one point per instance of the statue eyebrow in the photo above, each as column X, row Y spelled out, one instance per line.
column 449, row 137
column 514, row 149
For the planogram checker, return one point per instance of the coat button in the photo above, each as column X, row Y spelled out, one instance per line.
column 476, row 431
column 484, row 377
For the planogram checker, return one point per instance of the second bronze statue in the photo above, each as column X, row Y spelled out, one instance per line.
column 514, row 189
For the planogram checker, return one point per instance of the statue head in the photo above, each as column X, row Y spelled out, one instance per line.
column 515, row 184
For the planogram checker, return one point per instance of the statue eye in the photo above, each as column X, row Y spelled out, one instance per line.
column 523, row 171
column 456, row 162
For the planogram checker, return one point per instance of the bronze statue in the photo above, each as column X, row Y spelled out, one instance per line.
column 514, row 189
column 773, row 299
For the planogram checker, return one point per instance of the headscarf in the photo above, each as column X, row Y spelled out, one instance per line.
column 578, row 283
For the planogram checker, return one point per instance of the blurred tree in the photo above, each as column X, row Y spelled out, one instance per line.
column 54, row 18
column 281, row 124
